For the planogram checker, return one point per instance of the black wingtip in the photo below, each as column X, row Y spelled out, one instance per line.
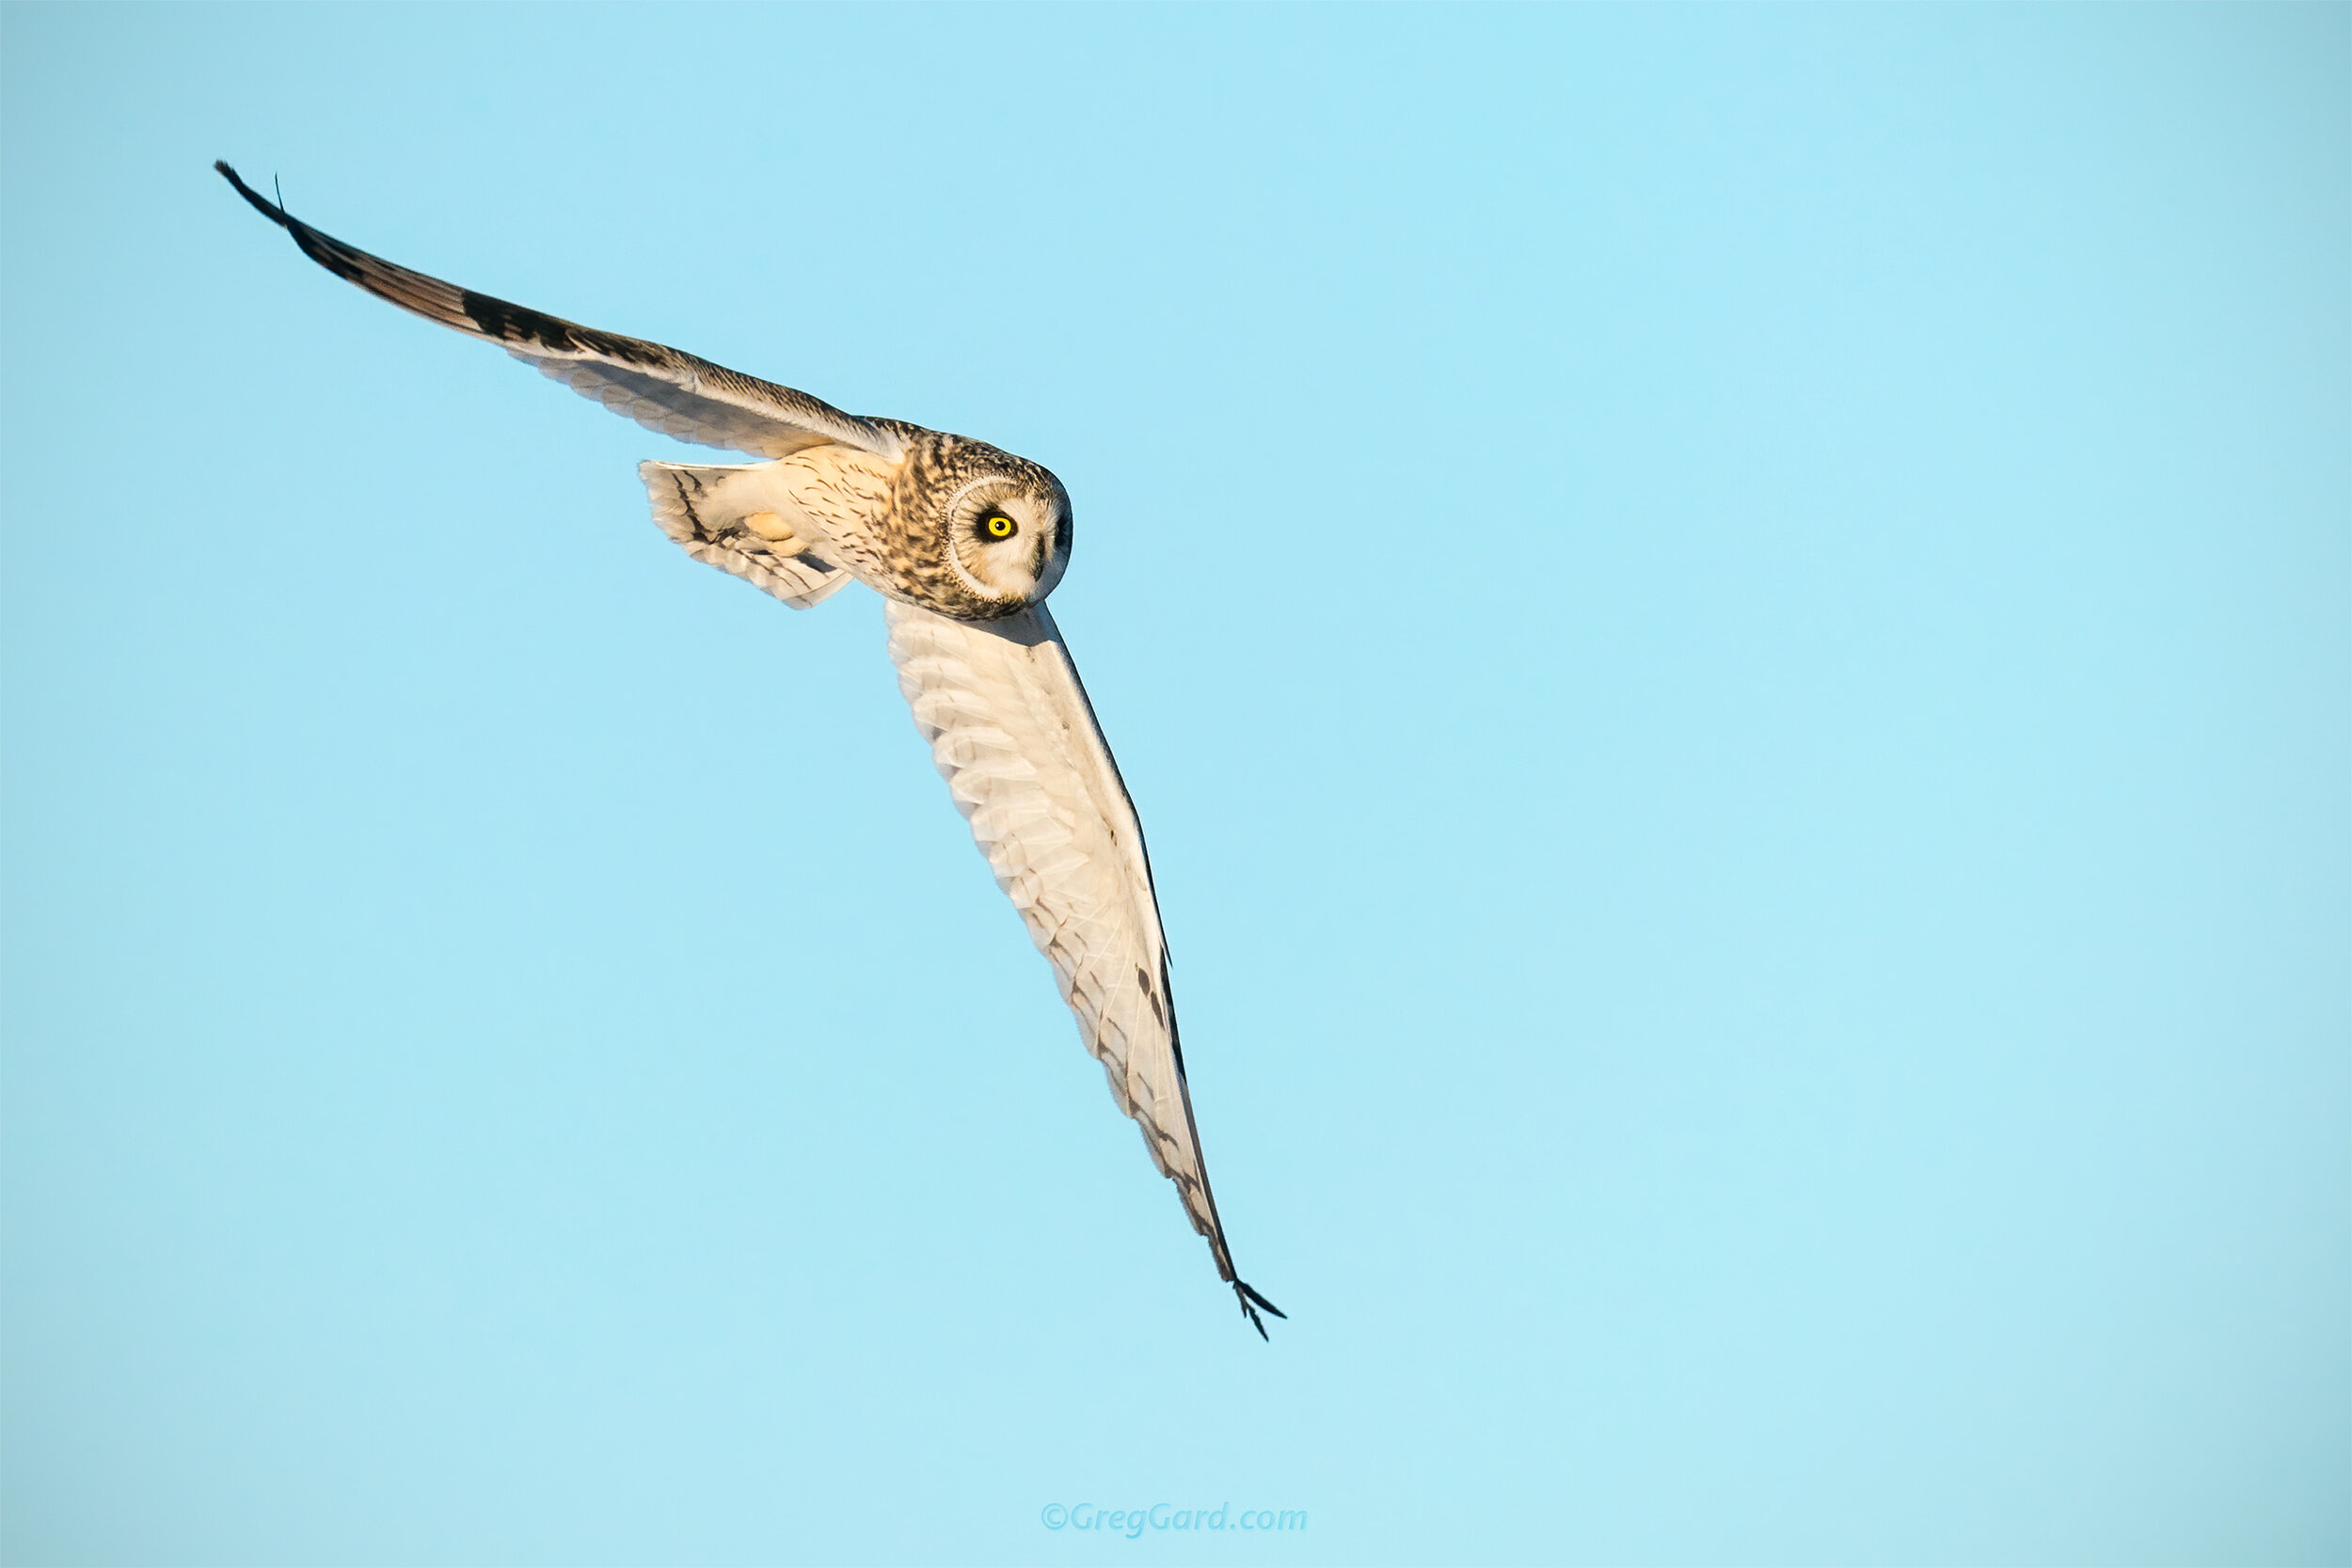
column 261, row 204
column 1250, row 1301
column 336, row 257
column 1251, row 1295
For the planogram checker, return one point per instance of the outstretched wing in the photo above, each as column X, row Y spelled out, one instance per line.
column 1016, row 740
column 661, row 389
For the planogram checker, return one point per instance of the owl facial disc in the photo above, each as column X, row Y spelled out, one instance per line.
column 1008, row 537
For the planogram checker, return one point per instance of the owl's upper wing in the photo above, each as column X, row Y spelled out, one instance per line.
column 1015, row 738
column 661, row 389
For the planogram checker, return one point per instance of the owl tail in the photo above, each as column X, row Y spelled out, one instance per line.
column 724, row 516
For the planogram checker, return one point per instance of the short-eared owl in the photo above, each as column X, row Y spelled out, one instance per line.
column 964, row 541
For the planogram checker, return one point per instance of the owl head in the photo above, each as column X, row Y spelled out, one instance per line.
column 1005, row 526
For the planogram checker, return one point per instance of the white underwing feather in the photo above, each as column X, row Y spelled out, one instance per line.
column 1012, row 734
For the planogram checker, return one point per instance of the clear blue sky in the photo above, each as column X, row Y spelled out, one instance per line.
column 1733, row 627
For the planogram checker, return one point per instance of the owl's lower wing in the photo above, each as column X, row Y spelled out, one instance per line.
column 659, row 388
column 1015, row 738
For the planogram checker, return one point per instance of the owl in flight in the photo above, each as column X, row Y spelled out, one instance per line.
column 964, row 541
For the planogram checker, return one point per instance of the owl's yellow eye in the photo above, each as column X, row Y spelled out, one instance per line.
column 997, row 526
